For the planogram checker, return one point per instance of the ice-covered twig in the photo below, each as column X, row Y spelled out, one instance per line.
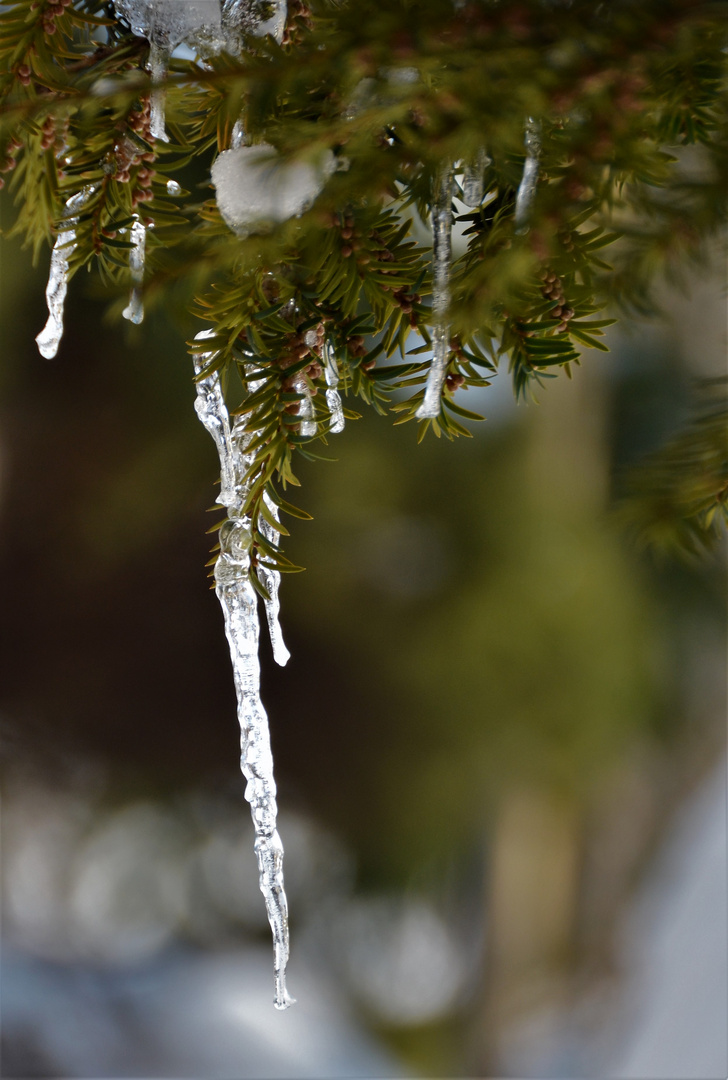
column 529, row 180
column 442, row 260
column 473, row 180
column 134, row 312
column 212, row 411
column 333, row 398
column 50, row 336
column 240, row 610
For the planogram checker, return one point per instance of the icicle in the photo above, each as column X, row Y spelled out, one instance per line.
column 473, row 186
column 158, row 63
column 333, row 398
column 135, row 310
column 305, row 409
column 271, row 581
column 240, row 610
column 529, row 181
column 442, row 258
column 212, row 411
column 50, row 336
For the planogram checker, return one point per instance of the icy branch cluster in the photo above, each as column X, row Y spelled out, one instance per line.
column 207, row 26
column 239, row 603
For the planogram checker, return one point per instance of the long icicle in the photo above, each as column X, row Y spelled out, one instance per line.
column 134, row 311
column 529, row 181
column 239, row 603
column 50, row 336
column 442, row 260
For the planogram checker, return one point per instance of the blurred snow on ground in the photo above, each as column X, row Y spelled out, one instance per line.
column 675, row 948
column 181, row 1015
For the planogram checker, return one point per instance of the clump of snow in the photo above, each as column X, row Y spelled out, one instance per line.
column 256, row 190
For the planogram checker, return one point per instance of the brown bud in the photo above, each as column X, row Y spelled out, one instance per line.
column 346, row 251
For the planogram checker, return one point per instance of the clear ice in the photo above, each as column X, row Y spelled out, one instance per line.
column 271, row 581
column 306, row 410
column 158, row 64
column 529, row 180
column 50, row 336
column 134, row 311
column 333, row 398
column 442, row 260
column 473, row 179
column 239, row 603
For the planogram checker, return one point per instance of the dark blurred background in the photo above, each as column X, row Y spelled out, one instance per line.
column 499, row 743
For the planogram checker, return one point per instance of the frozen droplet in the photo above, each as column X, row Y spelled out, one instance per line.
column 134, row 312
column 173, row 188
column 442, row 260
column 50, row 336
column 255, row 190
column 333, row 398
column 529, row 180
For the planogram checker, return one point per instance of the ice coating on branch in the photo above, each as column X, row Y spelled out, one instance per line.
column 529, row 181
column 333, row 398
column 271, row 581
column 212, row 411
column 473, row 180
column 248, row 17
column 442, row 259
column 134, row 312
column 50, row 336
column 239, row 603
column 255, row 190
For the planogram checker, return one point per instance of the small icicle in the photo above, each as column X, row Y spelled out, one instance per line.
column 240, row 610
column 158, row 63
column 212, row 411
column 473, row 180
column 50, row 336
column 529, row 181
column 134, row 312
column 271, row 581
column 442, row 259
column 238, row 137
column 333, row 398
column 305, row 409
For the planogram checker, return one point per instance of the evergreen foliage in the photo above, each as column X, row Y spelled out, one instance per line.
column 631, row 100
